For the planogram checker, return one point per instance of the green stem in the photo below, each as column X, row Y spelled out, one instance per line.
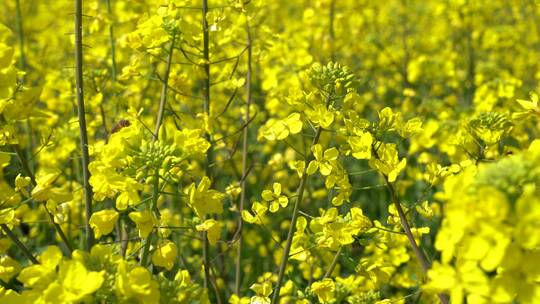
column 331, row 30
column 422, row 260
column 29, row 173
column 153, row 207
column 82, row 123
column 146, row 250
column 206, row 109
column 19, row 244
column 245, row 145
column 299, row 198
column 333, row 264
column 20, row 31
column 112, row 42
column 164, row 88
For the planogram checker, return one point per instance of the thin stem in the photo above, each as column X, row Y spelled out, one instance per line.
column 24, row 164
column 29, row 173
column 243, row 182
column 146, row 250
column 206, row 109
column 422, row 260
column 20, row 31
column 332, row 14
column 333, row 264
column 300, row 196
column 405, row 224
column 19, row 244
column 112, row 42
column 82, row 123
column 164, row 88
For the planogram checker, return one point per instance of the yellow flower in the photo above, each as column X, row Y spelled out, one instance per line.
column 21, row 183
column 44, row 190
column 234, row 299
column 361, row 145
column 280, row 129
column 191, row 141
column 530, row 106
column 135, row 284
column 165, row 255
column 8, row 268
column 324, row 289
column 275, row 198
column 213, row 229
column 257, row 218
column 325, row 162
column 127, row 198
column 411, row 127
column 262, row 291
column 204, row 200
column 41, row 275
column 102, row 222
column 320, row 115
column 387, row 161
column 144, row 221
column 77, row 281
column 7, row 216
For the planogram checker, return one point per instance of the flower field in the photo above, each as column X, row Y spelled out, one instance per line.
column 265, row 152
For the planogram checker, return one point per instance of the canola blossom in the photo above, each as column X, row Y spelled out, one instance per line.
column 266, row 152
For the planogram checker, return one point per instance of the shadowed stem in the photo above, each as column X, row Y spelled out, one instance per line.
column 82, row 123
column 299, row 198
column 245, row 145
column 19, row 244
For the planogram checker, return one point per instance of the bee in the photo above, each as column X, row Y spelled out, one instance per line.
column 119, row 125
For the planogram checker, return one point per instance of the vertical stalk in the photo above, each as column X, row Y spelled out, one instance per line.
column 153, row 203
column 112, row 42
column 159, row 120
column 245, row 145
column 331, row 30
column 22, row 67
column 82, row 123
column 299, row 198
column 206, row 109
column 20, row 32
